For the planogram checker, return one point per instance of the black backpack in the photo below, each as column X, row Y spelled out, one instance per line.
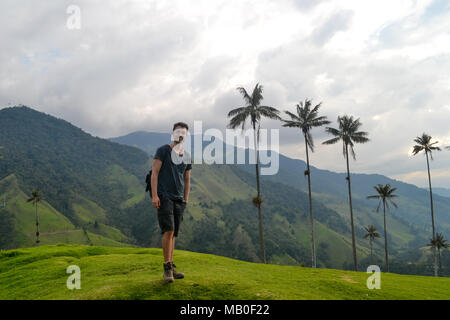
column 148, row 182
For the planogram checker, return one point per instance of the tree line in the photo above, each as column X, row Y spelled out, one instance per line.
column 348, row 132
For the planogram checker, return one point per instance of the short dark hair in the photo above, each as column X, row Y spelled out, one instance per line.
column 180, row 125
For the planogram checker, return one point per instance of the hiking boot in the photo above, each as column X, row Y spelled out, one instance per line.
column 177, row 275
column 168, row 272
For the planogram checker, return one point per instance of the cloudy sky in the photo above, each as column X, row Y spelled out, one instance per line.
column 142, row 65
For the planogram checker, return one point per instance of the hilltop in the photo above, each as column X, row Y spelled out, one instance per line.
column 135, row 273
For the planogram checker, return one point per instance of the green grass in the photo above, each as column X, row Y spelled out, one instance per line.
column 218, row 183
column 136, row 273
column 116, row 175
column 25, row 215
column 399, row 233
column 99, row 240
column 108, row 232
column 52, row 221
column 88, row 211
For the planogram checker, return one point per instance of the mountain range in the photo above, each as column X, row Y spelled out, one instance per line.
column 329, row 187
column 93, row 192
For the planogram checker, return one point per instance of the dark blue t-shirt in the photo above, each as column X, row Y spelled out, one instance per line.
column 171, row 175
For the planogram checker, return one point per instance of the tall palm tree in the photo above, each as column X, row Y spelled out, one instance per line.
column 35, row 199
column 385, row 194
column 439, row 243
column 349, row 134
column 424, row 144
column 254, row 111
column 305, row 120
column 1, row 156
column 371, row 234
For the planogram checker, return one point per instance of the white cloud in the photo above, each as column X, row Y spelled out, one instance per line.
column 140, row 65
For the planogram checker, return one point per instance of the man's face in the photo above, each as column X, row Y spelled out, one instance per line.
column 179, row 135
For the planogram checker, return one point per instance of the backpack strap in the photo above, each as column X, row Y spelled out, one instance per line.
column 148, row 182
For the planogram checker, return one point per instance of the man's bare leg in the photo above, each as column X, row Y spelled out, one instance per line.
column 176, row 274
column 167, row 245
column 172, row 248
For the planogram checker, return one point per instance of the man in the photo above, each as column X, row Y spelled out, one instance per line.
column 170, row 182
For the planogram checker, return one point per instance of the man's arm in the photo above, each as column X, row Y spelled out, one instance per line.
column 154, row 182
column 187, row 185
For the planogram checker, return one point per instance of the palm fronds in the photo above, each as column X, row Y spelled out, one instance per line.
column 306, row 119
column 348, row 133
column 424, row 144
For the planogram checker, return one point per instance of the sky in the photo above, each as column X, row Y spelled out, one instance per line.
column 120, row 66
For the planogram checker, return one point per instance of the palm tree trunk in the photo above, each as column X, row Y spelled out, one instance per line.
column 313, row 247
column 432, row 216
column 261, row 231
column 385, row 238
column 371, row 252
column 37, row 225
column 355, row 262
column 440, row 263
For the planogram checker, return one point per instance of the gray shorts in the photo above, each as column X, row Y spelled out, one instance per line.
column 170, row 215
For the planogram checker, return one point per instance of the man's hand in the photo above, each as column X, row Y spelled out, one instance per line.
column 156, row 202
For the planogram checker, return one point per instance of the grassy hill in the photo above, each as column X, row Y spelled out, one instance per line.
column 221, row 219
column 67, row 163
column 136, row 273
column 18, row 222
column 85, row 181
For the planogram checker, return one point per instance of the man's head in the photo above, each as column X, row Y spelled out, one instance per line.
column 180, row 130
